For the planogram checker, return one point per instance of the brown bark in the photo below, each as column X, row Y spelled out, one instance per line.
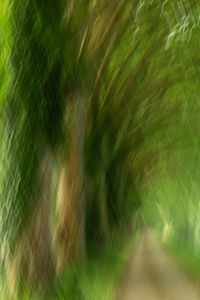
column 33, row 254
column 70, row 229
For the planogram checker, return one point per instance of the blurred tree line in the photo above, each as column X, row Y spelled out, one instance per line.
column 85, row 86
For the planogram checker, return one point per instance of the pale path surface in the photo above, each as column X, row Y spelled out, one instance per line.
column 153, row 275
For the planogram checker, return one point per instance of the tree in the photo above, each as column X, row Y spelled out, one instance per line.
column 33, row 114
column 89, row 84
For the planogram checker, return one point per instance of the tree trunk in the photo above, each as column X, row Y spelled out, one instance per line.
column 33, row 253
column 70, row 232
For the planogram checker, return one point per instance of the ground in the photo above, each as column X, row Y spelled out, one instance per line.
column 152, row 274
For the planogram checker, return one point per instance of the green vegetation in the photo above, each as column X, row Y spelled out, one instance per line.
column 174, row 201
column 99, row 125
column 94, row 279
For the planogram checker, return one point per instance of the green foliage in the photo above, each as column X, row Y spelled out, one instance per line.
column 135, row 99
column 33, row 109
column 134, row 64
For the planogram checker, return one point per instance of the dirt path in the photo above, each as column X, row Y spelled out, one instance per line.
column 153, row 275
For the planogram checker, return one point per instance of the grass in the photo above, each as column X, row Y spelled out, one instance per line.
column 186, row 258
column 97, row 279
